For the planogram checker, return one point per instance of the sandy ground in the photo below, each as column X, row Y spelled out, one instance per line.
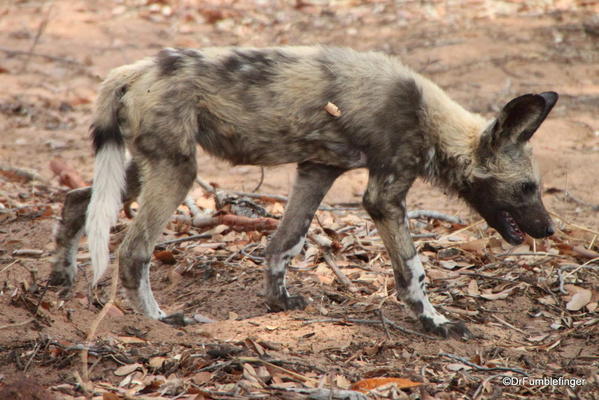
column 482, row 52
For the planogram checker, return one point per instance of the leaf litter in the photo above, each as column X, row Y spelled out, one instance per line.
column 347, row 261
column 375, row 350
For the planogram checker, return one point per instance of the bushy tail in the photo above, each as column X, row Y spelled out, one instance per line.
column 109, row 175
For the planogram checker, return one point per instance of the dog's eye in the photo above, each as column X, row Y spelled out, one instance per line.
column 528, row 187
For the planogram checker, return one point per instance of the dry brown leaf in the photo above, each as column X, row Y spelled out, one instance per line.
column 504, row 294
column 332, row 109
column 365, row 385
column 165, row 256
column 110, row 396
column 127, row 369
column 114, row 311
column 342, row 382
column 157, row 362
column 581, row 298
column 448, row 264
column 202, row 378
column 132, row 340
column 473, row 288
column 476, row 246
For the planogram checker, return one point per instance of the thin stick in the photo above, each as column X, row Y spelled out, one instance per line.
column 384, row 323
column 461, row 230
column 435, row 215
column 571, row 224
column 483, row 276
column 205, row 185
column 528, row 253
column 191, row 205
column 481, row 368
column 343, row 279
column 40, row 30
column 261, row 180
column 50, row 57
column 285, row 370
column 184, row 239
column 8, row 266
column 502, row 322
column 17, row 324
column 371, row 322
column 479, row 390
column 99, row 318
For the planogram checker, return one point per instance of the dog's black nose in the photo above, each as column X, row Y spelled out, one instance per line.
column 550, row 230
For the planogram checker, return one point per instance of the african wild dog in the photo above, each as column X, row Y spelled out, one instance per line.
column 266, row 107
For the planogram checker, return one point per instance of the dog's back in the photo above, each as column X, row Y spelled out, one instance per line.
column 266, row 106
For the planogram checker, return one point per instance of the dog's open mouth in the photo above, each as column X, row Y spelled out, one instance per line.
column 510, row 231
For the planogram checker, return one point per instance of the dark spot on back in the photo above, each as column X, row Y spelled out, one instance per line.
column 169, row 61
column 253, row 67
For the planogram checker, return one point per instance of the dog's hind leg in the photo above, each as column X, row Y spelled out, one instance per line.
column 71, row 227
column 165, row 183
column 385, row 202
column 312, row 183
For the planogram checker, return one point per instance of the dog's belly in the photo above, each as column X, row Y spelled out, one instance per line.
column 267, row 147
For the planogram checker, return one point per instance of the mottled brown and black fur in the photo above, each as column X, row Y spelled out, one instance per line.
column 266, row 107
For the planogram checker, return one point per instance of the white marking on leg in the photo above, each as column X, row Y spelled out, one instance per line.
column 280, row 260
column 416, row 293
column 278, row 263
column 142, row 299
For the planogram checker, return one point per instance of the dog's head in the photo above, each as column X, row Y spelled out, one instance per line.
column 504, row 187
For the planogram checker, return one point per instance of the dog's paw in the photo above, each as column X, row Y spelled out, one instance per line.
column 180, row 319
column 448, row 329
column 286, row 303
column 60, row 278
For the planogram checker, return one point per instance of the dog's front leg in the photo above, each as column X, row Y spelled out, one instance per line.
column 312, row 183
column 385, row 202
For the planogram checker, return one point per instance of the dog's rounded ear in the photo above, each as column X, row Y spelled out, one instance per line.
column 521, row 117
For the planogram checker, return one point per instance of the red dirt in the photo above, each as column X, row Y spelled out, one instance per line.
column 482, row 53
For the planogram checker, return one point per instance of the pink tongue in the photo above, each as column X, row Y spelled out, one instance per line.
column 512, row 223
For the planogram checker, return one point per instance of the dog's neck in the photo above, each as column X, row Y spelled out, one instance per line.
column 453, row 135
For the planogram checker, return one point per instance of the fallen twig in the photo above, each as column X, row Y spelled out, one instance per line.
column 343, row 279
column 261, row 180
column 326, row 245
column 481, row 368
column 235, row 222
column 205, row 185
column 505, row 323
column 384, row 323
column 40, row 30
column 193, row 208
column 583, row 228
column 184, row 239
column 435, row 215
column 285, row 370
column 35, row 253
column 13, row 52
column 96, row 322
column 324, row 394
column 472, row 225
column 371, row 322
column 17, row 324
